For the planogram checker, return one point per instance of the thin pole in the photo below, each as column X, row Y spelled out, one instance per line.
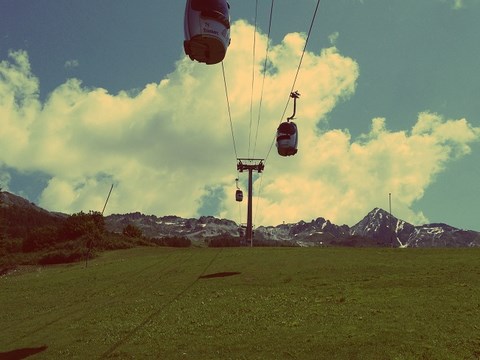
column 390, row 203
column 89, row 246
column 390, row 211
column 249, row 207
column 108, row 197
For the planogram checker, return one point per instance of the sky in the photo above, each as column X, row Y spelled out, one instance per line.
column 95, row 93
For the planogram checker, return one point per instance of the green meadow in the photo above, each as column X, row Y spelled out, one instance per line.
column 247, row 303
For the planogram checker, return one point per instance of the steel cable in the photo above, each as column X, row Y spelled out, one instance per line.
column 297, row 72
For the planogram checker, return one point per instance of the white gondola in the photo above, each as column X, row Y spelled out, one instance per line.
column 239, row 195
column 287, row 139
column 207, row 30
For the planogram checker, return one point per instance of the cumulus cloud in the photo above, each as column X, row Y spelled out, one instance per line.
column 333, row 37
column 168, row 148
column 344, row 178
column 458, row 4
column 5, row 179
column 463, row 4
column 70, row 64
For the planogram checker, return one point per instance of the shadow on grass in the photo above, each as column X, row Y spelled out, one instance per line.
column 219, row 275
column 19, row 354
column 5, row 270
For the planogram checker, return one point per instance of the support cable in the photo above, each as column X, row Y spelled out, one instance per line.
column 296, row 74
column 231, row 127
column 264, row 75
column 288, row 100
column 258, row 198
column 261, row 97
column 253, row 78
column 265, row 61
column 229, row 111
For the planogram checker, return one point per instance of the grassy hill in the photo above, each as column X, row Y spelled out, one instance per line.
column 30, row 235
column 247, row 303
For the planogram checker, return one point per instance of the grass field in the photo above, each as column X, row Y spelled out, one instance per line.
column 244, row 303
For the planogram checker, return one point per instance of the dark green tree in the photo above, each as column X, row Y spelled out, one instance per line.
column 132, row 231
column 40, row 238
column 176, row 241
column 81, row 224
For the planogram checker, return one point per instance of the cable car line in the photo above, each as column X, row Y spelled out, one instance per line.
column 301, row 57
column 261, row 95
column 264, row 76
column 238, row 191
column 257, row 198
column 292, row 95
column 297, row 72
column 229, row 112
column 253, row 77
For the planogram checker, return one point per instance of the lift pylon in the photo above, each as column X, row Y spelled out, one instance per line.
column 250, row 165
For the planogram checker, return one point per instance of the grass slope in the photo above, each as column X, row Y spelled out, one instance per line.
column 243, row 303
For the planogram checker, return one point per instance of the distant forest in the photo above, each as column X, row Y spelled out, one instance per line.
column 29, row 236
column 32, row 236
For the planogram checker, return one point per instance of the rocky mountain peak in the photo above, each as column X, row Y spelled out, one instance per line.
column 377, row 228
column 9, row 200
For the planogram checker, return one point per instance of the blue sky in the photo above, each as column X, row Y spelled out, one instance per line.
column 100, row 92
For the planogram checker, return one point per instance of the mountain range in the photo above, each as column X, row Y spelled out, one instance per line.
column 377, row 228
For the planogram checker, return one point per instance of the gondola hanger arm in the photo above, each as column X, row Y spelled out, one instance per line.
column 295, row 95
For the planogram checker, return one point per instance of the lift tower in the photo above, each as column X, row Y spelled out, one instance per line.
column 251, row 165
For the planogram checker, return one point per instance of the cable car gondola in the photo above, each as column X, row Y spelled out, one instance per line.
column 287, row 132
column 207, row 30
column 238, row 192
column 239, row 195
column 287, row 139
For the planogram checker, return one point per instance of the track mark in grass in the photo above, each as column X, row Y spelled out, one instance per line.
column 111, row 351
column 21, row 353
column 219, row 274
column 81, row 311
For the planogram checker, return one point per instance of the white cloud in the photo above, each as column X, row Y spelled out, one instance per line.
column 333, row 37
column 166, row 146
column 463, row 4
column 458, row 4
column 5, row 179
column 342, row 178
column 71, row 64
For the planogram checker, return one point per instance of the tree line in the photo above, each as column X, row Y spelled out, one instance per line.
column 30, row 236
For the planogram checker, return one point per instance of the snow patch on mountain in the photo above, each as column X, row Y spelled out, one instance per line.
column 377, row 228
